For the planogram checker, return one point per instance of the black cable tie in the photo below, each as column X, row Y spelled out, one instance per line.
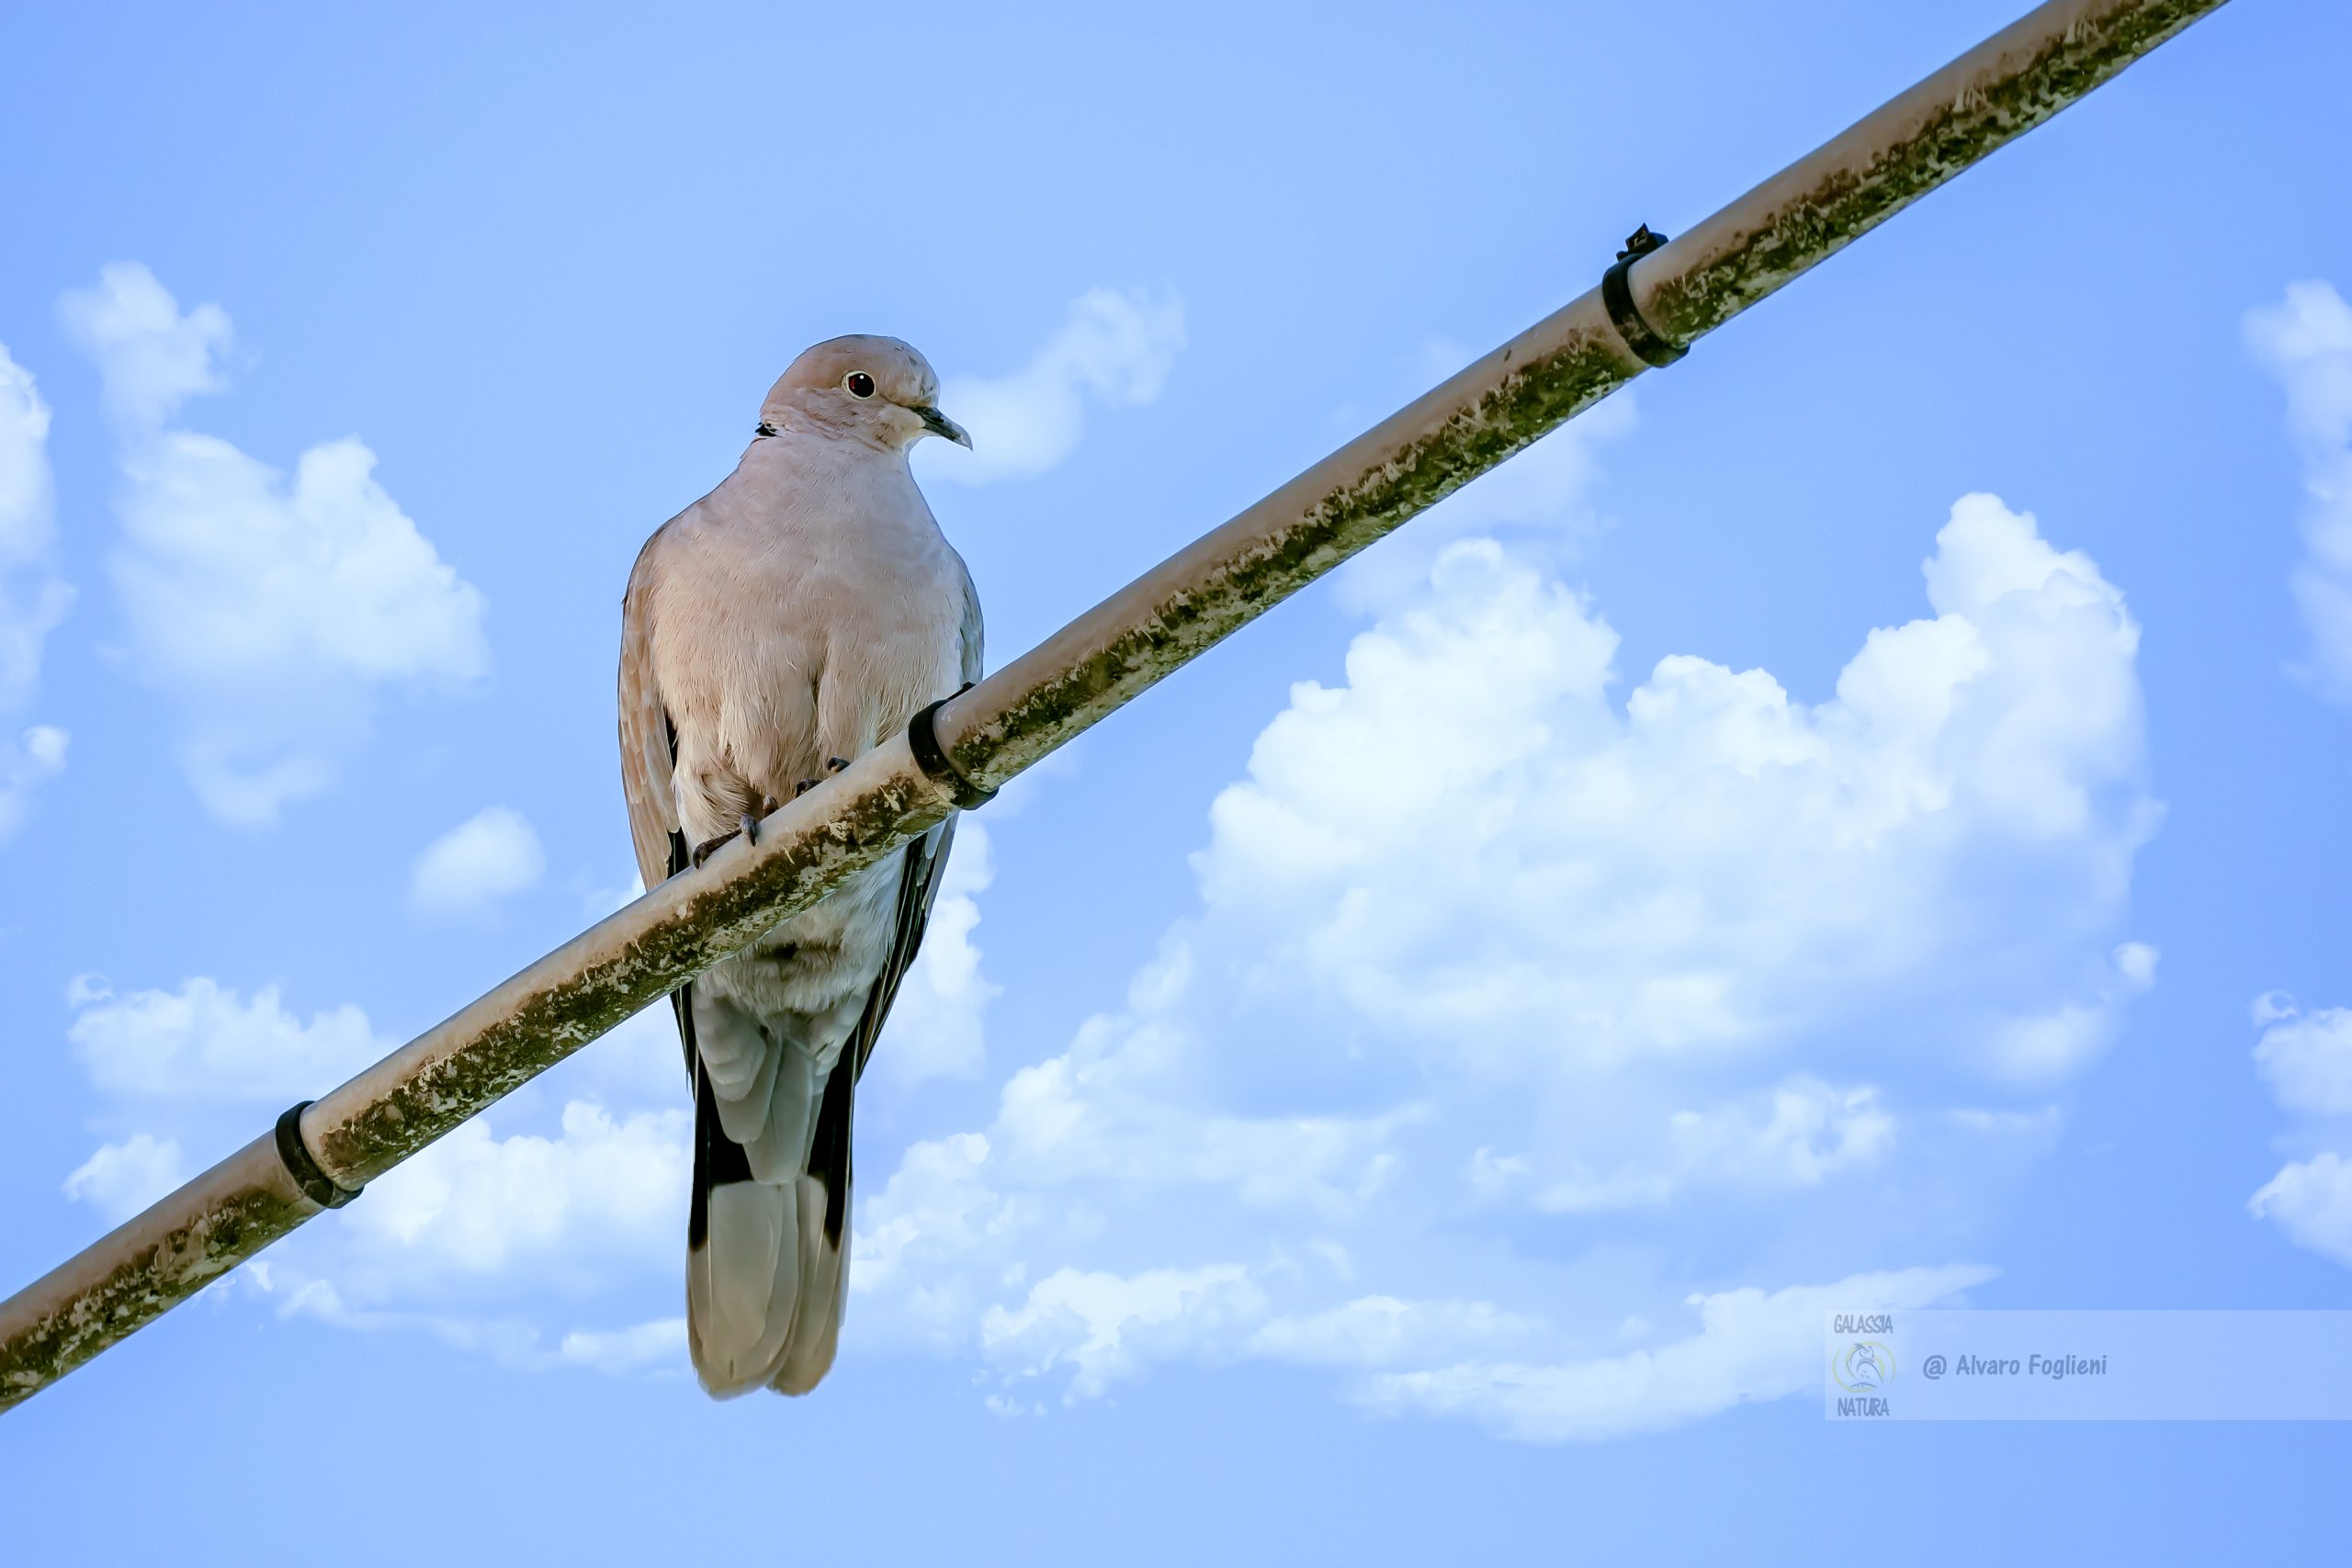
column 316, row 1184
column 922, row 738
column 1650, row 345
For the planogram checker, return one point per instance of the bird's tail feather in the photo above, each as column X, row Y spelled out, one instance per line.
column 766, row 1233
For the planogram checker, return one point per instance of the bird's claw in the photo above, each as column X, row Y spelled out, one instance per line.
column 832, row 765
column 747, row 828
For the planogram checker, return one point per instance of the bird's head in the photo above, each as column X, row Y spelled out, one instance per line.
column 876, row 388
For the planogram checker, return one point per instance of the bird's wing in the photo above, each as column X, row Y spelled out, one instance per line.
column 926, row 859
column 649, row 744
column 974, row 633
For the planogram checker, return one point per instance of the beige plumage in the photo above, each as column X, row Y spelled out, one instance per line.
column 796, row 616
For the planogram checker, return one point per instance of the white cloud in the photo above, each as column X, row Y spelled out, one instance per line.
column 1112, row 1109
column 151, row 358
column 607, row 1188
column 24, row 762
column 657, row 1344
column 25, row 504
column 1379, row 1331
column 936, row 1213
column 1118, row 1114
column 491, row 855
column 33, row 600
column 123, row 1177
column 1115, row 349
column 2057, row 1041
column 2306, row 1058
column 2310, row 1200
column 2306, row 341
column 1468, row 843
column 950, row 1233
column 937, row 1026
column 1750, row 1347
column 515, row 1341
column 1100, row 1327
column 1797, row 1134
column 203, row 1042
column 270, row 610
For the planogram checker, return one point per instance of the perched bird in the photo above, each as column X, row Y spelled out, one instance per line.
column 800, row 612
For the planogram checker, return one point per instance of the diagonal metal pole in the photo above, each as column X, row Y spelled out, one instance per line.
column 1650, row 308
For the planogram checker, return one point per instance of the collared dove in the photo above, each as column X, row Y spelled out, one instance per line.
column 800, row 612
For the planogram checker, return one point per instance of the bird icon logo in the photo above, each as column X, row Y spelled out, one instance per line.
column 1864, row 1366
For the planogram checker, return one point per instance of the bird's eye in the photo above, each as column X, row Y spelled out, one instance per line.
column 859, row 383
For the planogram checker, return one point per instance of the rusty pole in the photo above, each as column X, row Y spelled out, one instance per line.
column 1651, row 307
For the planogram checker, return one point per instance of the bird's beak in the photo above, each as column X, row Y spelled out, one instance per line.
column 939, row 425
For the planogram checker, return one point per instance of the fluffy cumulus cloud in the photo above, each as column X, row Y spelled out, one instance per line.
column 477, row 1204
column 270, row 607
column 2305, row 340
column 491, row 855
column 33, row 599
column 501, row 1241
column 1115, row 349
column 2306, row 1058
column 2310, row 1201
column 151, row 356
column 1469, row 843
column 194, row 1068
column 204, row 1041
column 1506, row 986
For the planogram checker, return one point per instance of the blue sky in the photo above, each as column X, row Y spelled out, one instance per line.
column 1859, row 815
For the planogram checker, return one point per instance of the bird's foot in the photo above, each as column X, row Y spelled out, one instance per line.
column 747, row 828
column 832, row 765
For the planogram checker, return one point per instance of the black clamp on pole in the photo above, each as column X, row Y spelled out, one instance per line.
column 922, row 738
column 316, row 1184
column 1650, row 345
